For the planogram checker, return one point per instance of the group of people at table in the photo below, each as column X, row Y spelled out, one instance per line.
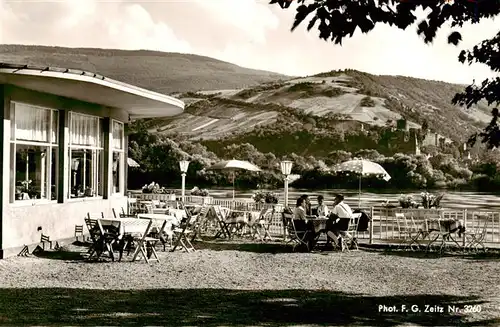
column 335, row 228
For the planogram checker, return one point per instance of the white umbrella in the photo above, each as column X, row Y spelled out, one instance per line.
column 234, row 165
column 363, row 168
column 132, row 163
column 293, row 178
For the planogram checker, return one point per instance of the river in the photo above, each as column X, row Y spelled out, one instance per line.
column 451, row 199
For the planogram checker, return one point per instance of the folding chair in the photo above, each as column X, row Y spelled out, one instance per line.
column 349, row 235
column 297, row 236
column 202, row 222
column 145, row 244
column 221, row 216
column 408, row 230
column 475, row 238
column 264, row 223
column 181, row 233
column 133, row 207
column 100, row 241
column 442, row 233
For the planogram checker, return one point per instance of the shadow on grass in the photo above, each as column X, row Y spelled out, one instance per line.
column 221, row 245
column 422, row 254
column 76, row 251
column 61, row 255
column 213, row 307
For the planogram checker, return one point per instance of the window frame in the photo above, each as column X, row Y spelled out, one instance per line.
column 49, row 145
column 121, row 154
column 98, row 153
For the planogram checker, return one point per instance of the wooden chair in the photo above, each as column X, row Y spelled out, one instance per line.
column 133, row 207
column 145, row 244
column 475, row 238
column 349, row 235
column 409, row 230
column 124, row 214
column 182, row 232
column 222, row 216
column 201, row 221
column 95, row 237
column 265, row 220
column 95, row 215
column 79, row 232
column 102, row 240
column 297, row 236
column 45, row 239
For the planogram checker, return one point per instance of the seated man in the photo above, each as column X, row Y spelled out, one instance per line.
column 307, row 204
column 336, row 225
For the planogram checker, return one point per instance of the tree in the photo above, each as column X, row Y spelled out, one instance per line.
column 339, row 19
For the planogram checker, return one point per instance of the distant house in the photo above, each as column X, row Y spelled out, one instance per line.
column 64, row 148
column 350, row 125
column 435, row 139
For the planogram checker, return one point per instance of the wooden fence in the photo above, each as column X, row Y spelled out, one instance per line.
column 383, row 227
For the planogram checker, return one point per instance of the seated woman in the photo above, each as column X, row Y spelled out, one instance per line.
column 307, row 205
column 301, row 223
column 322, row 210
column 300, row 211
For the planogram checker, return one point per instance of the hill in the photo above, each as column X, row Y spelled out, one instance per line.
column 346, row 100
column 162, row 72
column 229, row 104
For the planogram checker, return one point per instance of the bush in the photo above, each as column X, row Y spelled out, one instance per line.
column 367, row 102
column 265, row 197
column 332, row 92
column 198, row 192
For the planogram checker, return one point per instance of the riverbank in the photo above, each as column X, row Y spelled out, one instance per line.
column 451, row 200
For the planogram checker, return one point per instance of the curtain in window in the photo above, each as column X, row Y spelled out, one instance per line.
column 84, row 130
column 32, row 123
column 117, row 135
column 55, row 126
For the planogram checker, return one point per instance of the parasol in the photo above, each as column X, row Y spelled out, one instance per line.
column 233, row 165
column 132, row 163
column 363, row 168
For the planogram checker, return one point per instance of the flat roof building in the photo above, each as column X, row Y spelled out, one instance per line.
column 64, row 148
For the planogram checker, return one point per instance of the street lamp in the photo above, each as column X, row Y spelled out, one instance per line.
column 183, row 164
column 286, row 169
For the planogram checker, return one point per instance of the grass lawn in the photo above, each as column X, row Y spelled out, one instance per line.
column 246, row 284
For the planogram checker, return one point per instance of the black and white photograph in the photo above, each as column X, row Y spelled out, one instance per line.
column 250, row 163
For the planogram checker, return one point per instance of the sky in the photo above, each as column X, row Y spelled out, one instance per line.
column 249, row 33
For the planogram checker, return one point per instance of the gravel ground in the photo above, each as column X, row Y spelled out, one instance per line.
column 266, row 283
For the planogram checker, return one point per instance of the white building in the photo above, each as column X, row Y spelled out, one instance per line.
column 64, row 148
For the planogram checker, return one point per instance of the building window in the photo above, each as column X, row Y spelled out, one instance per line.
column 86, row 156
column 118, row 141
column 34, row 152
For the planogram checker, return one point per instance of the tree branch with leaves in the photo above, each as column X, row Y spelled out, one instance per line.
column 339, row 19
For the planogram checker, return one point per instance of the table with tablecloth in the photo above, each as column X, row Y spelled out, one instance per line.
column 318, row 225
column 443, row 225
column 125, row 225
column 161, row 222
column 445, row 229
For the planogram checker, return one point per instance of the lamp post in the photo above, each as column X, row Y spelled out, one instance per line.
column 286, row 169
column 183, row 164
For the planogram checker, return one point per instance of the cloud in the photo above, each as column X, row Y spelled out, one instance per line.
column 249, row 33
column 87, row 23
column 252, row 18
